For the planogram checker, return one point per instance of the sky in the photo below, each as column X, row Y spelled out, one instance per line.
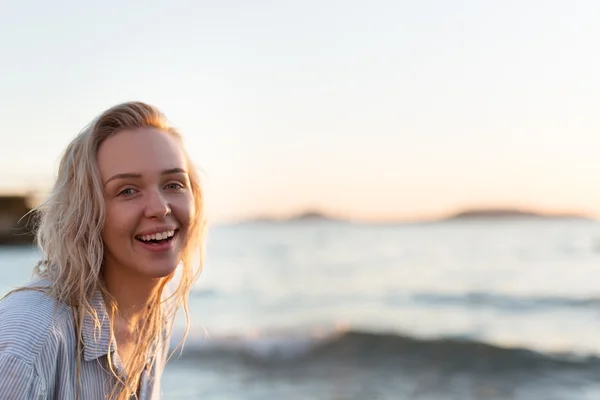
column 373, row 110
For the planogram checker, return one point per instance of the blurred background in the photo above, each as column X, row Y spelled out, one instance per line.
column 403, row 196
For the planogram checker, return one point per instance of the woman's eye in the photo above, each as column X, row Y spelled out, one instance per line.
column 126, row 192
column 174, row 186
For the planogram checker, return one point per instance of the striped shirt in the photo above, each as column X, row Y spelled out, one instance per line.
column 38, row 349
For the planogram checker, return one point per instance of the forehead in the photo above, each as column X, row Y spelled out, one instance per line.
column 143, row 150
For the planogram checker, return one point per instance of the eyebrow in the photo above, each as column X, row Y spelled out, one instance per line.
column 135, row 175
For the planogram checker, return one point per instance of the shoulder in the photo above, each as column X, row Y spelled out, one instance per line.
column 30, row 321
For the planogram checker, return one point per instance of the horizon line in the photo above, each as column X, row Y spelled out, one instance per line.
column 442, row 212
column 319, row 213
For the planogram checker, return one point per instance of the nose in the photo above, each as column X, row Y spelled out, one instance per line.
column 157, row 205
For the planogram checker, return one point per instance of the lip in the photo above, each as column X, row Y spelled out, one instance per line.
column 158, row 247
column 159, row 229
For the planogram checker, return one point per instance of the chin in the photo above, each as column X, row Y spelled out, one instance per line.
column 158, row 271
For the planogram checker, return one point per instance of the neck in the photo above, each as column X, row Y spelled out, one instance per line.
column 132, row 294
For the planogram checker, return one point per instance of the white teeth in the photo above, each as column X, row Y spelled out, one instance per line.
column 157, row 236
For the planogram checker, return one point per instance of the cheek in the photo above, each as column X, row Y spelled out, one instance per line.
column 184, row 210
column 118, row 223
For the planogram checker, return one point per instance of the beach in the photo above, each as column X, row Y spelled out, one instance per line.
column 317, row 309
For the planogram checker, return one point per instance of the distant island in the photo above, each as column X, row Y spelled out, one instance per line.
column 307, row 216
column 312, row 216
column 508, row 213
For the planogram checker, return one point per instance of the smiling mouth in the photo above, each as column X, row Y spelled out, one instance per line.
column 158, row 238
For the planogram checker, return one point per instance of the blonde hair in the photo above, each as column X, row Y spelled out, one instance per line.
column 69, row 235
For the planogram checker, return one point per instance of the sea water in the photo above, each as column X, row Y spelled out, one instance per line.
column 328, row 310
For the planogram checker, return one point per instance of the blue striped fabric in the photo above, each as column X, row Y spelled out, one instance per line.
column 38, row 351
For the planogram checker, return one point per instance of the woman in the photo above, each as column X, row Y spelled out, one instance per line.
column 125, row 215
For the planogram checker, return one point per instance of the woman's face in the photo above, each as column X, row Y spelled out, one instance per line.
column 149, row 203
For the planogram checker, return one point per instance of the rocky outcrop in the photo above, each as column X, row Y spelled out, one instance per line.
column 15, row 226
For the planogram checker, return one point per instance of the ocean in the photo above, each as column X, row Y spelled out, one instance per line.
column 506, row 309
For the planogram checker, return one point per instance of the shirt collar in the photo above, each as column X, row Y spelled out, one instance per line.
column 97, row 340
